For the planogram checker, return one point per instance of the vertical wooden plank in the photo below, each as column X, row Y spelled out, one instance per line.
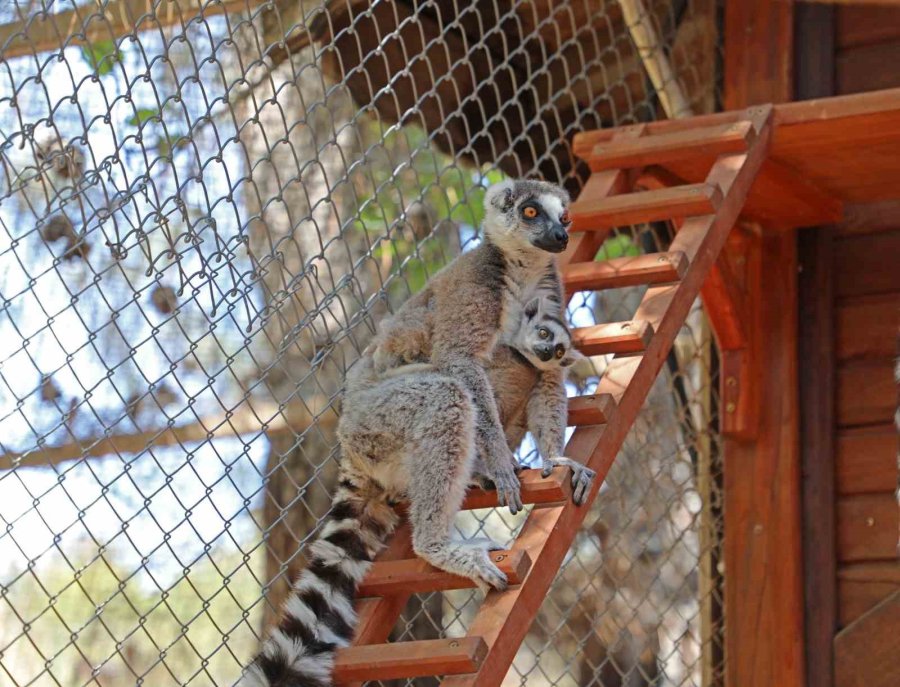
column 817, row 454
column 814, row 44
column 758, row 52
column 763, row 557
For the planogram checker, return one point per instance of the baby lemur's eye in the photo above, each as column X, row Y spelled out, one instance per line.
column 543, row 332
column 560, row 351
column 529, row 211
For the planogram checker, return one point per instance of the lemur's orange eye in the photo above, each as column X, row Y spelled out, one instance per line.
column 530, row 212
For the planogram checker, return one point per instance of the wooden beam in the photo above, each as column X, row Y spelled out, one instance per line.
column 377, row 617
column 248, row 417
column 590, row 409
column 46, row 31
column 424, row 657
column 612, row 337
column 535, row 489
column 415, row 575
column 763, row 553
column 817, row 454
column 662, row 148
column 645, row 206
column 649, row 268
column 814, row 49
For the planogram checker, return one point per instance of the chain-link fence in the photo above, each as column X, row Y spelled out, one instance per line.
column 206, row 208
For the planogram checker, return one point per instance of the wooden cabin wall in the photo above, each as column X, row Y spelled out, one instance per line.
column 866, row 315
column 850, row 318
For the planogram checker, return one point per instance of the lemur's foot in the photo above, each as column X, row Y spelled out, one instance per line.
column 582, row 476
column 469, row 560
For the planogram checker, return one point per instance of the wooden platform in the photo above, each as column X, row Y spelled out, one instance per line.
column 822, row 153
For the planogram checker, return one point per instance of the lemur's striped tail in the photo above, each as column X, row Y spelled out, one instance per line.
column 318, row 615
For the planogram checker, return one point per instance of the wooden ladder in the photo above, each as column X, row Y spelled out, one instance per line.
column 706, row 213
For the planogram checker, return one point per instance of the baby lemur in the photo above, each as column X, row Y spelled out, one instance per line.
column 414, row 436
column 527, row 375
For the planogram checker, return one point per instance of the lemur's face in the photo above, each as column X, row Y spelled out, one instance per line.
column 544, row 339
column 523, row 214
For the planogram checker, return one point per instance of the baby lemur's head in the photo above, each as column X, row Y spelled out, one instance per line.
column 543, row 338
column 524, row 214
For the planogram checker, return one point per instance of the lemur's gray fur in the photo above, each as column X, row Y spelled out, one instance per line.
column 414, row 436
column 527, row 375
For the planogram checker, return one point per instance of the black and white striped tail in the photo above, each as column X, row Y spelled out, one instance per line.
column 318, row 615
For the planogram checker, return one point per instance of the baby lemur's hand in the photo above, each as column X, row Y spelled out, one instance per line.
column 582, row 477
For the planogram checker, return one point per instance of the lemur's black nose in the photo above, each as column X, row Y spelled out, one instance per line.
column 560, row 235
column 543, row 351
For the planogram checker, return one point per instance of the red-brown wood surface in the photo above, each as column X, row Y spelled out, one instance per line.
column 591, row 409
column 860, row 266
column 408, row 659
column 865, row 652
column 763, row 551
column 867, row 326
column 650, row 268
column 644, row 206
column 716, row 140
column 415, row 575
column 613, row 337
column 862, row 586
column 866, row 459
column 861, row 68
column 535, row 489
column 866, row 393
column 867, row 527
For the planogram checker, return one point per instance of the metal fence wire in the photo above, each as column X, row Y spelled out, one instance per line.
column 206, row 207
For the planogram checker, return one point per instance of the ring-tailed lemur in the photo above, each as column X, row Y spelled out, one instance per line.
column 318, row 616
column 415, row 436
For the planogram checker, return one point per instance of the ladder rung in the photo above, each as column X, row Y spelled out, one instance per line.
column 661, row 148
column 646, row 206
column 535, row 489
column 409, row 659
column 414, row 575
column 652, row 268
column 613, row 337
column 591, row 409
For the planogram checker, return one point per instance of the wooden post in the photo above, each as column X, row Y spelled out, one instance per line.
column 814, row 76
column 763, row 553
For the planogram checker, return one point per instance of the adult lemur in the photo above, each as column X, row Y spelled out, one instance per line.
column 415, row 435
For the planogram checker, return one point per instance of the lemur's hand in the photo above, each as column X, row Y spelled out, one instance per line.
column 582, row 476
column 509, row 489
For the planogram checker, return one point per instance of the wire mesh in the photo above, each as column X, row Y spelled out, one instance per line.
column 206, row 208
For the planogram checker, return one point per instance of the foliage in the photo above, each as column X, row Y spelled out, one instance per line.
column 410, row 191
column 101, row 55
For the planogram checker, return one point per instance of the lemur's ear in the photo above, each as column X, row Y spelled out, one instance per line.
column 572, row 356
column 532, row 308
column 500, row 196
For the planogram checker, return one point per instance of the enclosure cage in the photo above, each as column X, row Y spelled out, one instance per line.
column 206, row 209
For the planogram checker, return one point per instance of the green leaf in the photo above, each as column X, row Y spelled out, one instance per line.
column 101, row 55
column 142, row 115
column 617, row 247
